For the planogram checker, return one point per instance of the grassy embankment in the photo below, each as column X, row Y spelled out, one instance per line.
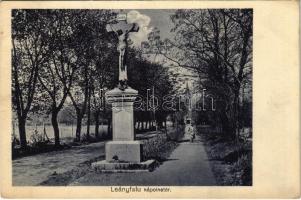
column 230, row 159
column 159, row 146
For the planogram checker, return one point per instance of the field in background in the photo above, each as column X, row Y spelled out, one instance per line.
column 66, row 131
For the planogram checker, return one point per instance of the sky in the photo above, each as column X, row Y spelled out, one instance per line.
column 161, row 20
column 148, row 19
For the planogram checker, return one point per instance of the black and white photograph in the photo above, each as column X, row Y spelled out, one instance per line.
column 132, row 97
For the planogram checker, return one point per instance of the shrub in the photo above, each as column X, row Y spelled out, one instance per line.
column 243, row 170
column 38, row 140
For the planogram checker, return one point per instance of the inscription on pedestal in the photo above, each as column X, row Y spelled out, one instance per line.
column 123, row 121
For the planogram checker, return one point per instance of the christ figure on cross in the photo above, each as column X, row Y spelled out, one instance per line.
column 122, row 30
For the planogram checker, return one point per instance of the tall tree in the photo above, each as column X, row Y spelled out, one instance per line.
column 217, row 45
column 29, row 51
column 56, row 76
column 104, row 78
column 149, row 78
column 89, row 32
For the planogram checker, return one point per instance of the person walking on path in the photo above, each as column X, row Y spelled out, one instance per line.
column 190, row 132
column 187, row 165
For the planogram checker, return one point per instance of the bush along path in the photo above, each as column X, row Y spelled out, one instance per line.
column 186, row 165
column 65, row 166
column 231, row 162
column 180, row 163
column 156, row 146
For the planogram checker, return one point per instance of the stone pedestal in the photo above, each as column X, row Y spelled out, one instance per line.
column 123, row 121
column 123, row 153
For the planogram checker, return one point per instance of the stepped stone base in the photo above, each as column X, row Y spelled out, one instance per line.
column 104, row 166
column 124, row 151
column 123, row 154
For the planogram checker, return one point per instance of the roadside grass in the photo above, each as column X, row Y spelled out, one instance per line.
column 157, row 147
column 40, row 139
column 230, row 161
column 41, row 145
column 63, row 179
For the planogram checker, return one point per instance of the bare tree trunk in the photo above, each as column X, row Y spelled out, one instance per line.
column 78, row 127
column 89, row 113
column 22, row 132
column 55, row 127
column 147, row 125
column 139, row 125
column 143, row 127
column 236, row 114
column 96, row 117
column 227, row 125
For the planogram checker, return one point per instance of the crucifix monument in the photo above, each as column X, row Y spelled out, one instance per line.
column 124, row 152
column 122, row 30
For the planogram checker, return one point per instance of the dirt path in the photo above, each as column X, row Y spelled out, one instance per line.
column 187, row 165
column 32, row 170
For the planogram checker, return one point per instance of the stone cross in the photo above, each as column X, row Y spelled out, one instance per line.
column 124, row 152
column 122, row 30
